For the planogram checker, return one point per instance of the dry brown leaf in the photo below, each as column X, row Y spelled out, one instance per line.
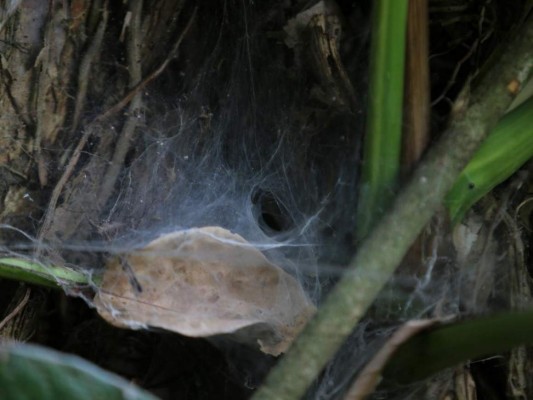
column 202, row 282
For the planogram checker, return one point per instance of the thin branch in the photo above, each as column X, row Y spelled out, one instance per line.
column 131, row 94
column 456, row 70
column 124, row 141
column 122, row 146
column 13, row 171
column 85, row 68
column 69, row 168
column 16, row 310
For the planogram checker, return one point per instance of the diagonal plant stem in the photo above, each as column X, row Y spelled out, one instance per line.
column 386, row 245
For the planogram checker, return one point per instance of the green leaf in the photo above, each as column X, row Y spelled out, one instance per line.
column 33, row 372
column 507, row 148
column 448, row 345
column 33, row 272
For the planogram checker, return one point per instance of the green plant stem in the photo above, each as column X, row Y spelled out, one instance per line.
column 383, row 138
column 387, row 244
column 33, row 272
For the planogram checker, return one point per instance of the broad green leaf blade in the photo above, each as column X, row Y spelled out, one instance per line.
column 446, row 346
column 29, row 372
column 383, row 138
column 506, row 149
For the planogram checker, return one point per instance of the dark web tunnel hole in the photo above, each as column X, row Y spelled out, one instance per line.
column 270, row 213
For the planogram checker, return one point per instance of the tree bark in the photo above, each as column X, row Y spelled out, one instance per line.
column 63, row 66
